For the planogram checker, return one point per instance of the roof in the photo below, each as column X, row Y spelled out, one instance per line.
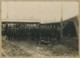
column 37, row 22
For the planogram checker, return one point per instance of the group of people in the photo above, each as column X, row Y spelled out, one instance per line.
column 34, row 34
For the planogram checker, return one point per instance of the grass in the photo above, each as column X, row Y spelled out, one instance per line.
column 24, row 48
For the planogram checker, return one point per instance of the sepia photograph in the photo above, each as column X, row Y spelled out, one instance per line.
column 39, row 28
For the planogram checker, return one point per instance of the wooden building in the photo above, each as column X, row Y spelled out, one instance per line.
column 36, row 31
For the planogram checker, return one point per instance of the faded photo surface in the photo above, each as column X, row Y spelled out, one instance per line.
column 39, row 29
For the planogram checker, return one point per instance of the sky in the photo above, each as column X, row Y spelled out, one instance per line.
column 37, row 11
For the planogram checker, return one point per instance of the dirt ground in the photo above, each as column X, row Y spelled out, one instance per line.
column 30, row 49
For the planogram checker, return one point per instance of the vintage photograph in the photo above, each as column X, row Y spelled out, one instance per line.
column 39, row 29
